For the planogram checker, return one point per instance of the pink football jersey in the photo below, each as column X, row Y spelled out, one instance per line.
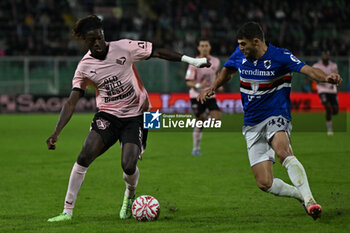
column 330, row 68
column 199, row 75
column 119, row 90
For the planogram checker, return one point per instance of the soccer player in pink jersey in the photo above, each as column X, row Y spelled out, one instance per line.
column 200, row 80
column 328, row 91
column 121, row 100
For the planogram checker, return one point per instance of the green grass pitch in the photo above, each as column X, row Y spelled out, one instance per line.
column 215, row 192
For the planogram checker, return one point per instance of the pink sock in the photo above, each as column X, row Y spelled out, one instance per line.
column 76, row 179
column 197, row 137
column 131, row 182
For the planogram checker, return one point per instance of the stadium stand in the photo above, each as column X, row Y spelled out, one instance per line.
column 37, row 27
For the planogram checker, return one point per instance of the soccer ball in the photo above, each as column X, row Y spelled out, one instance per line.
column 145, row 208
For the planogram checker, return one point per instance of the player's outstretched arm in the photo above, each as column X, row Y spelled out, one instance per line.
column 318, row 75
column 171, row 55
column 65, row 115
column 224, row 77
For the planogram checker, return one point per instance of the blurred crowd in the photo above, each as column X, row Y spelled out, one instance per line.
column 35, row 27
column 43, row 27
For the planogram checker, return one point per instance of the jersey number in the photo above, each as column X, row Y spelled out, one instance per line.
column 280, row 121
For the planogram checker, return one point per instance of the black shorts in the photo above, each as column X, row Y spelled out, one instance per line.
column 328, row 98
column 199, row 108
column 126, row 130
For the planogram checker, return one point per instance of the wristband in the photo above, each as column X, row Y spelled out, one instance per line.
column 187, row 59
column 194, row 61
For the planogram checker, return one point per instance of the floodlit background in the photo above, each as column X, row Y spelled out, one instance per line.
column 215, row 192
column 35, row 37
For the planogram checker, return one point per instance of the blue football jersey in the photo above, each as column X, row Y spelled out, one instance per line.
column 265, row 83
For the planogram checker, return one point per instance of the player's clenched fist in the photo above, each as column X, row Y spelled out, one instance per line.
column 334, row 79
column 51, row 142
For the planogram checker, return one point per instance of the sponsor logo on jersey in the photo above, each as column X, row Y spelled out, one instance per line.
column 119, row 97
column 257, row 72
column 267, row 64
column 253, row 97
column 121, row 60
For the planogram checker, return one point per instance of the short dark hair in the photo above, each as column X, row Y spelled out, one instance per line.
column 250, row 31
column 202, row 39
column 82, row 26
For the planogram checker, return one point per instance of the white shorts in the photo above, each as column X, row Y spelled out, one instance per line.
column 258, row 138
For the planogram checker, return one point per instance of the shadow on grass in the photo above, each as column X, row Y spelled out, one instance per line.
column 339, row 215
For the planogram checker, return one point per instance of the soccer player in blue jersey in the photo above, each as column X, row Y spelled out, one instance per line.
column 265, row 85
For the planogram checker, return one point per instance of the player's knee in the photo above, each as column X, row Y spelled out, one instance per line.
column 335, row 110
column 264, row 185
column 282, row 153
column 85, row 159
column 129, row 169
column 129, row 158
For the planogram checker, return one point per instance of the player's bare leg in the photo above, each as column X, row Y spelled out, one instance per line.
column 329, row 113
column 335, row 109
column 264, row 178
column 281, row 145
column 92, row 148
column 197, row 136
column 216, row 114
column 330, row 110
column 130, row 155
column 263, row 175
